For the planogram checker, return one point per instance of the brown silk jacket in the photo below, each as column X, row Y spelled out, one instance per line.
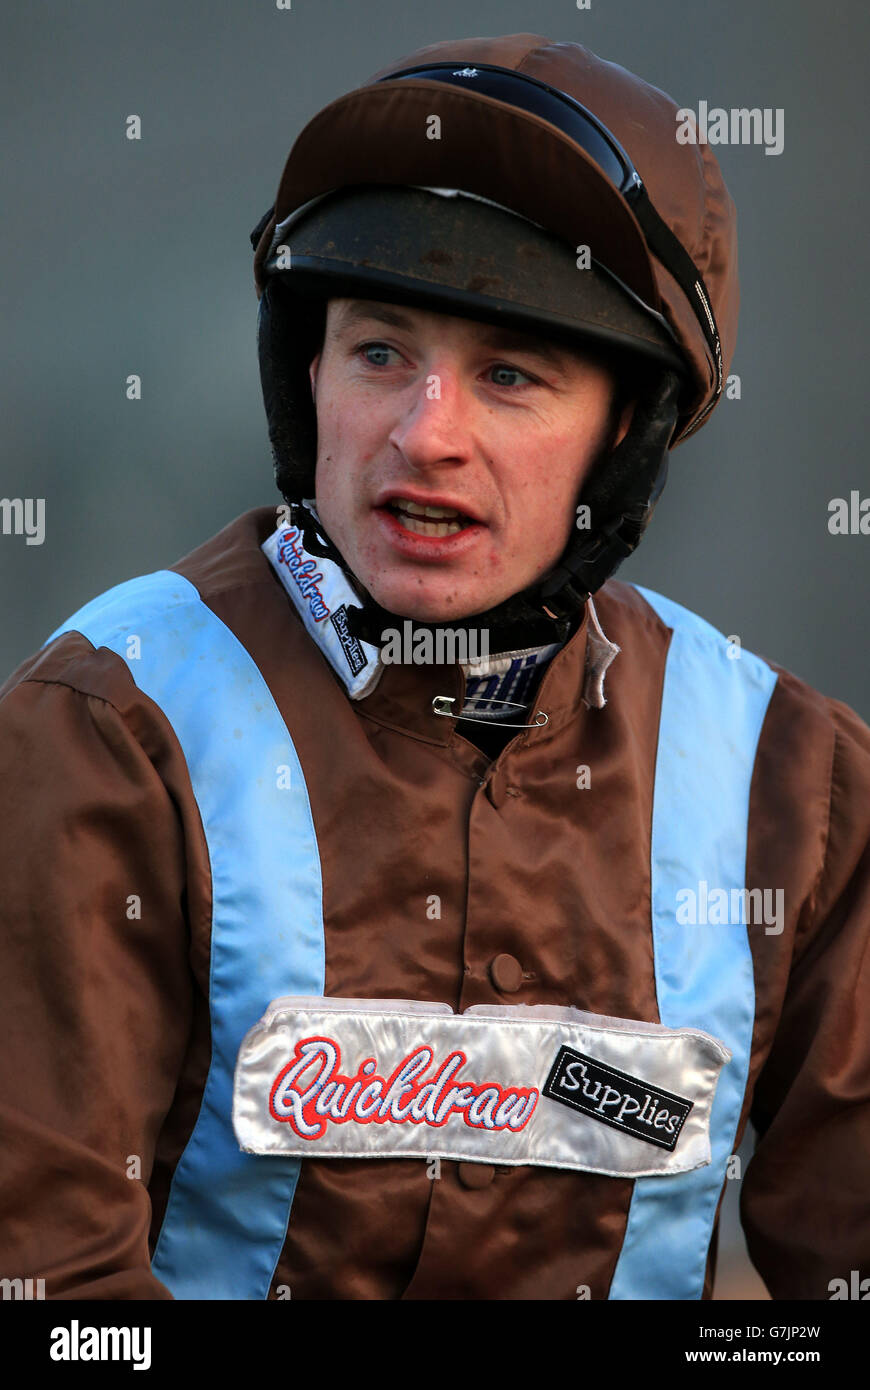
column 544, row 893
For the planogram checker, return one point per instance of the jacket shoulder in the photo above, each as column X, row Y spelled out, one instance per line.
column 636, row 602
column 76, row 653
column 637, row 614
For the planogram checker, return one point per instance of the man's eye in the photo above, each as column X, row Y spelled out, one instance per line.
column 369, row 348
column 505, row 370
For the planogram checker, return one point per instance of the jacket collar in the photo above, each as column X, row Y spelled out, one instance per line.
column 402, row 695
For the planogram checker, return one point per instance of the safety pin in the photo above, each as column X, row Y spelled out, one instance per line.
column 441, row 705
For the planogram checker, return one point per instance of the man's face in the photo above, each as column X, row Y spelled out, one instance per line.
column 450, row 453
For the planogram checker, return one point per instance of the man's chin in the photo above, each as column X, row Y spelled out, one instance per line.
column 439, row 615
column 431, row 610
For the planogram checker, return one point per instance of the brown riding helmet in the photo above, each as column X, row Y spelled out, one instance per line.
column 665, row 258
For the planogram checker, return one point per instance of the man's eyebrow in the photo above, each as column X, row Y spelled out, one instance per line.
column 496, row 336
column 512, row 341
column 356, row 313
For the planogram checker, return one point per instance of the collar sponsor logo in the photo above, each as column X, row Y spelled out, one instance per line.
column 306, row 575
column 310, row 1092
column 356, row 658
column 623, row 1101
column 507, row 686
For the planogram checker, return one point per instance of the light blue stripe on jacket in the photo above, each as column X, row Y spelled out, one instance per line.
column 713, row 707
column 228, row 1211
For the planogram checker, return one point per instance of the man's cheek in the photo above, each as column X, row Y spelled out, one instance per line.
column 495, row 559
column 329, row 487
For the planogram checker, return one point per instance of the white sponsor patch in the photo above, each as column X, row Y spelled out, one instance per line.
column 321, row 595
column 503, row 1084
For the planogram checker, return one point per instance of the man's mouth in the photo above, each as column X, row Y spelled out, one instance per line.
column 426, row 520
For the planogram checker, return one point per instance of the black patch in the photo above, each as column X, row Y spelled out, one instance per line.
column 356, row 657
column 583, row 1083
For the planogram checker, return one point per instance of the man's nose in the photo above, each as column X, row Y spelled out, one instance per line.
column 436, row 425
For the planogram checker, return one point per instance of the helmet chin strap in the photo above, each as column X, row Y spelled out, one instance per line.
column 620, row 494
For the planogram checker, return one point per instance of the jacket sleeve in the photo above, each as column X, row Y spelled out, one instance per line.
column 95, row 991
column 805, row 1203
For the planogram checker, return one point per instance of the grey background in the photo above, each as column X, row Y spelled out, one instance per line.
column 122, row 257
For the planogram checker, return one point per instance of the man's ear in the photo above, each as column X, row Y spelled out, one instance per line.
column 312, row 374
